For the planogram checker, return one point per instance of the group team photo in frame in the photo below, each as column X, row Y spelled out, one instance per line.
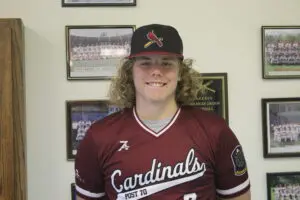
column 95, row 52
column 213, row 95
column 281, row 127
column 80, row 116
column 280, row 52
column 283, row 185
column 94, row 3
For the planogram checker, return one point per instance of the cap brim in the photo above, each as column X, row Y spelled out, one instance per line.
column 147, row 53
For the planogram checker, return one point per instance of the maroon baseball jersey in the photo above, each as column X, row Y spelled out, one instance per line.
column 196, row 156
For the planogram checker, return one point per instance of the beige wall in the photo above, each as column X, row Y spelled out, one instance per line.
column 223, row 36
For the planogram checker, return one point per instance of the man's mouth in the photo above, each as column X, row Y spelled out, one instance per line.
column 156, row 84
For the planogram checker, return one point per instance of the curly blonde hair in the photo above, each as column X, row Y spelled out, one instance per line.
column 122, row 90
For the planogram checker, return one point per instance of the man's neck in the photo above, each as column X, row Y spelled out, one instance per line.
column 156, row 111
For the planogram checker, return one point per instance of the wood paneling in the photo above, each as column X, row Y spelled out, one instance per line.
column 6, row 117
column 12, row 111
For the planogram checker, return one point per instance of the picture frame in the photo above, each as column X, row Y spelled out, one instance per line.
column 80, row 115
column 283, row 185
column 281, row 127
column 94, row 52
column 73, row 191
column 97, row 3
column 280, row 52
column 214, row 94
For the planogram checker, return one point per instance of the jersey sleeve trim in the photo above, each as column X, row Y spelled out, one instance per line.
column 235, row 189
column 89, row 194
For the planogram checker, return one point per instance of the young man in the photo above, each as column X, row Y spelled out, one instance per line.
column 157, row 147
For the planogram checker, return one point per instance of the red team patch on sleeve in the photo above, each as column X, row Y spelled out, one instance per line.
column 238, row 161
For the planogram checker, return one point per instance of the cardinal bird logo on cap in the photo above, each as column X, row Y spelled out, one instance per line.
column 152, row 37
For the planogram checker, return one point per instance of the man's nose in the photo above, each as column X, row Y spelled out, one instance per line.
column 156, row 69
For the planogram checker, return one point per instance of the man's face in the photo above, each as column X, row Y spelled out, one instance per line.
column 155, row 78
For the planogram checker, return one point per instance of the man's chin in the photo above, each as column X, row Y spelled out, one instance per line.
column 159, row 99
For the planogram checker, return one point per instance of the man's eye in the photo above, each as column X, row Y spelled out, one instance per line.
column 166, row 64
column 145, row 63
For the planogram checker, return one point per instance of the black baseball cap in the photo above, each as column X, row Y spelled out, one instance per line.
column 156, row 39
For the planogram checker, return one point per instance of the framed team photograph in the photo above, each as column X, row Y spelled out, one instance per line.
column 80, row 116
column 97, row 3
column 213, row 95
column 73, row 191
column 280, row 52
column 283, row 185
column 95, row 52
column 281, row 127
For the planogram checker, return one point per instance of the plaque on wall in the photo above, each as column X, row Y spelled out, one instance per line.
column 213, row 95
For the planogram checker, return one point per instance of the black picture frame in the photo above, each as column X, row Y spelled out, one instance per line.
column 94, row 52
column 80, row 115
column 73, row 191
column 281, row 127
column 214, row 94
column 280, row 52
column 98, row 3
column 283, row 185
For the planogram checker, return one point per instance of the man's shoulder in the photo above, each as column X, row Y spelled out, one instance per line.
column 110, row 123
column 113, row 118
column 203, row 115
column 211, row 123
